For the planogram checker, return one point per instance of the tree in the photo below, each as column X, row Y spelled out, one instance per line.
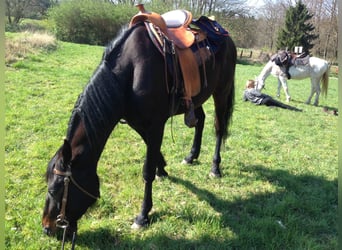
column 298, row 31
column 16, row 10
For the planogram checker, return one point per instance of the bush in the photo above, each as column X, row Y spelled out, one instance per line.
column 20, row 45
column 89, row 21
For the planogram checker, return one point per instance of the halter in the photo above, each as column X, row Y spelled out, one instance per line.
column 62, row 221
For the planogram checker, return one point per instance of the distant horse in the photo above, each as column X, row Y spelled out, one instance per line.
column 131, row 83
column 317, row 70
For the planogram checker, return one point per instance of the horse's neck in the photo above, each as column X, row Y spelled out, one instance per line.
column 266, row 71
column 96, row 113
column 79, row 142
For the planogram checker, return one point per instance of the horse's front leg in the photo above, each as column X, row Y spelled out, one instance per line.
column 154, row 140
column 197, row 142
column 286, row 89
column 278, row 88
column 161, row 163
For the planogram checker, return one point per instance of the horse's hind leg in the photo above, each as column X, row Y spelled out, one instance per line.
column 315, row 82
column 313, row 91
column 197, row 142
column 223, row 113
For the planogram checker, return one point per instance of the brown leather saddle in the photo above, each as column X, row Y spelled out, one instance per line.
column 175, row 26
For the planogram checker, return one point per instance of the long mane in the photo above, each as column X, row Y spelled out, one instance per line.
column 100, row 105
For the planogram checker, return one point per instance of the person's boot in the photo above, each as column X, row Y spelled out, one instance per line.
column 190, row 119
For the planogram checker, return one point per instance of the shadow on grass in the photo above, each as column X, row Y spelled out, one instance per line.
column 304, row 209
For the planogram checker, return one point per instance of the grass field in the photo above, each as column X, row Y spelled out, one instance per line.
column 279, row 184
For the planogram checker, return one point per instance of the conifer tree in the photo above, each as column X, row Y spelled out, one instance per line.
column 297, row 31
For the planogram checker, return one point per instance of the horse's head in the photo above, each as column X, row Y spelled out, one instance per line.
column 259, row 83
column 72, row 188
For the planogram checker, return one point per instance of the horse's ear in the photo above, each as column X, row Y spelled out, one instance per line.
column 66, row 151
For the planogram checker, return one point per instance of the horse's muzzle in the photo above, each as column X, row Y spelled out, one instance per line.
column 49, row 227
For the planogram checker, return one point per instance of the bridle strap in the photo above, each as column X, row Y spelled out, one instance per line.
column 69, row 174
column 82, row 189
column 61, row 220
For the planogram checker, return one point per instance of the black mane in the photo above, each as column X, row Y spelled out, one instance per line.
column 100, row 104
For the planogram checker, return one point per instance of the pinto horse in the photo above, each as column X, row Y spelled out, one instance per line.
column 130, row 83
column 317, row 70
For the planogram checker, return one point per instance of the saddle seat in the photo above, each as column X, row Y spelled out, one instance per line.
column 174, row 24
column 177, row 23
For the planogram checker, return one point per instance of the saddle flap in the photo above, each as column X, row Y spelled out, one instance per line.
column 190, row 72
column 181, row 37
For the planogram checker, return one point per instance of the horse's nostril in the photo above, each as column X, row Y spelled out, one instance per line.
column 47, row 231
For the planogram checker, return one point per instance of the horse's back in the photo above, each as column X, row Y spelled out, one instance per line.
column 318, row 65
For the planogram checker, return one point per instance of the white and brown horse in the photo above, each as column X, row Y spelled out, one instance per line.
column 317, row 70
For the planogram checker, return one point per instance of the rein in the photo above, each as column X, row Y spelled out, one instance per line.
column 62, row 221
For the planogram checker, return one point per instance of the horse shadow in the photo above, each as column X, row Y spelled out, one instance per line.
column 265, row 215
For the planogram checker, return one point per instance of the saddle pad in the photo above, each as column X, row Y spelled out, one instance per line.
column 214, row 30
column 302, row 60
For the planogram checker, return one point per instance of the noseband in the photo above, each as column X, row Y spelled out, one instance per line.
column 61, row 221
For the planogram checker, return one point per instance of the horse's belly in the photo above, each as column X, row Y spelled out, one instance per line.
column 299, row 72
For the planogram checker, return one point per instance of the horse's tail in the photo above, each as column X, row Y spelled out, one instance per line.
column 325, row 81
column 230, row 108
column 231, row 89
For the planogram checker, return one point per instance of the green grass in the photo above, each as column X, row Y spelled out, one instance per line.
column 279, row 184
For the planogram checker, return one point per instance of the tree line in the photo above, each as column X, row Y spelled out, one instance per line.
column 251, row 27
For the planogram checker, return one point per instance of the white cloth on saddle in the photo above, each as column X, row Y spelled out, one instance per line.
column 175, row 18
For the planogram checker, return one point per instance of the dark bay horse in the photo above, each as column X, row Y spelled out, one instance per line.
column 130, row 83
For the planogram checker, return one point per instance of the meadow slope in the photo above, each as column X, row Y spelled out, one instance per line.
column 279, row 184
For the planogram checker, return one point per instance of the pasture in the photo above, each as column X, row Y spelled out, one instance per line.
column 279, row 184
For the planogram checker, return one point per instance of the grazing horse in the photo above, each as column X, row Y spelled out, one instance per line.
column 131, row 83
column 317, row 70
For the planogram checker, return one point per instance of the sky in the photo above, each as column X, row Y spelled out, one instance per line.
column 255, row 3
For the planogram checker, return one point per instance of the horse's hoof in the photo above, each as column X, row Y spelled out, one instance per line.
column 186, row 162
column 161, row 174
column 136, row 226
column 140, row 222
column 161, row 177
column 215, row 173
